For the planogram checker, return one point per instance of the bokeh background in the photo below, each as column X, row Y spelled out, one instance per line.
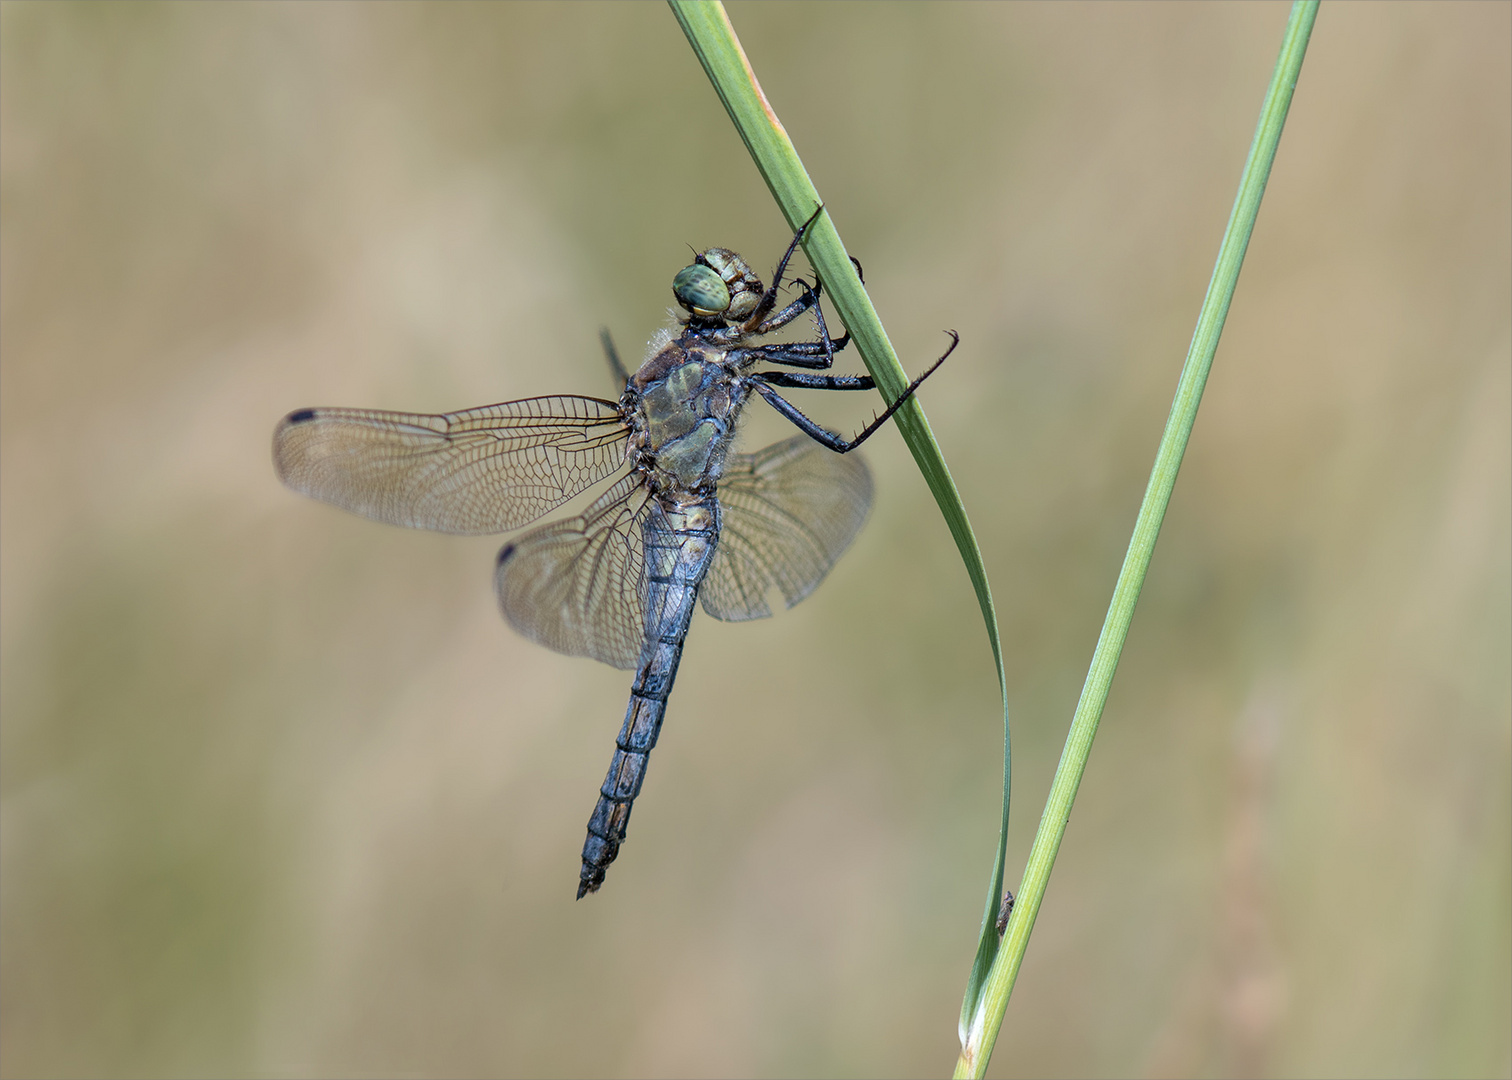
column 282, row 794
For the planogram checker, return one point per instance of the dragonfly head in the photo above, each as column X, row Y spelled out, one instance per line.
column 719, row 286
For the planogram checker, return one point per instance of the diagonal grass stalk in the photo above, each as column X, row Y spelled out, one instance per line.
column 988, row 1017
column 713, row 39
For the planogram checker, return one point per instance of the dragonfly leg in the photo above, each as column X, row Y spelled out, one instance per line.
column 808, row 354
column 802, row 380
column 825, row 343
column 803, row 354
column 792, row 247
column 769, row 298
column 828, row 438
column 807, row 301
column 621, row 376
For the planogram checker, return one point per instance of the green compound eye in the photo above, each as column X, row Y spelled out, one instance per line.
column 701, row 291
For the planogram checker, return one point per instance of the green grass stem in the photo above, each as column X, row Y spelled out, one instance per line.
column 713, row 39
column 984, row 1024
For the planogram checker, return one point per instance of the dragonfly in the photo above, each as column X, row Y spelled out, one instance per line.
column 686, row 519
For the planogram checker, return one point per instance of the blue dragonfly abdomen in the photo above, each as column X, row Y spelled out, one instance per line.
column 680, row 546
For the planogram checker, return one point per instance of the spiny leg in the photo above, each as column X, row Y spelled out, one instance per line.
column 810, row 354
column 802, row 380
column 826, row 343
column 810, row 299
column 769, row 298
column 793, row 246
column 824, row 436
column 803, row 354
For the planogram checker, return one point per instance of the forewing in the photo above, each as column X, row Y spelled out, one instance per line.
column 577, row 586
column 485, row 470
column 788, row 512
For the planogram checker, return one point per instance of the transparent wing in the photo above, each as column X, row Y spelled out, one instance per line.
column 578, row 586
column 788, row 512
column 481, row 471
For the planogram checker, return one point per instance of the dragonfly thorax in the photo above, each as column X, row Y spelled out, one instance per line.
column 682, row 405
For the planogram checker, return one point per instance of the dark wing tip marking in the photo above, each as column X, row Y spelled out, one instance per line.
column 300, row 416
column 504, row 553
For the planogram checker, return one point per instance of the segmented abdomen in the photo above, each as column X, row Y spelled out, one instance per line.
column 679, row 545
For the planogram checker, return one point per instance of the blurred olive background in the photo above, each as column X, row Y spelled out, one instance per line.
column 284, row 796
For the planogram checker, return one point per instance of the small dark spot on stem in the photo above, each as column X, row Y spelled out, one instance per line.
column 1005, row 911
